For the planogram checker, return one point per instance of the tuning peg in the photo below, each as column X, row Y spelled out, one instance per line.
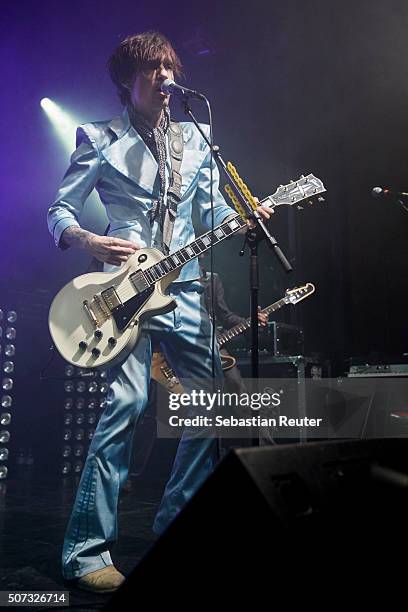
column 302, row 176
column 310, row 201
column 291, row 181
column 321, row 199
column 299, row 207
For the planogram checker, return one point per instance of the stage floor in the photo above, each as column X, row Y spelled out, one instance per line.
column 33, row 516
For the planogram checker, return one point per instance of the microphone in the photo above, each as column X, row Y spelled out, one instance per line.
column 384, row 192
column 170, row 87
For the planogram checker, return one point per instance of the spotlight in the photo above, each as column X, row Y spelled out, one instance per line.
column 68, row 419
column 11, row 333
column 79, row 434
column 4, row 454
column 93, row 387
column 92, row 418
column 7, row 384
column 4, row 436
column 67, row 435
column 69, row 386
column 78, row 450
column 8, row 367
column 77, row 466
column 5, row 419
column 104, row 387
column 11, row 316
column 46, row 104
column 10, row 350
column 75, row 422
column 69, row 370
column 81, row 386
column 66, row 467
column 6, row 401
column 80, row 403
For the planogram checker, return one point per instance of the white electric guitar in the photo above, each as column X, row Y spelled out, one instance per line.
column 95, row 320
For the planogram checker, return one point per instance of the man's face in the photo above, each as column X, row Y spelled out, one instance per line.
column 145, row 92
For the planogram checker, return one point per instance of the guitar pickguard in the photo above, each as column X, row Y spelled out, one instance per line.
column 124, row 313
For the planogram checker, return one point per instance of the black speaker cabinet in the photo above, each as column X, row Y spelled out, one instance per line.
column 280, row 517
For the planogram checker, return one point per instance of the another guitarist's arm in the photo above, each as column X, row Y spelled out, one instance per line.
column 224, row 315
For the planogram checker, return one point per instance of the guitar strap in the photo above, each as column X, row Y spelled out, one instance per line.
column 176, row 146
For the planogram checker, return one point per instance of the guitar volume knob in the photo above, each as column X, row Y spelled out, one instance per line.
column 95, row 352
column 83, row 345
column 98, row 334
column 112, row 341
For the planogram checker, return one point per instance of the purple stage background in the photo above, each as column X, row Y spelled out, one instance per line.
column 296, row 87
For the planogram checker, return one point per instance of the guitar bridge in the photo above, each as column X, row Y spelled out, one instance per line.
column 90, row 313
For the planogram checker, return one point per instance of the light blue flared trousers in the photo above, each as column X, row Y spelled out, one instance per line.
column 185, row 336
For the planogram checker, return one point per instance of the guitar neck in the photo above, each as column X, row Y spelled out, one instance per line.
column 240, row 328
column 192, row 250
column 306, row 188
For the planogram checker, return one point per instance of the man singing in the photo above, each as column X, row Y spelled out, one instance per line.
column 129, row 161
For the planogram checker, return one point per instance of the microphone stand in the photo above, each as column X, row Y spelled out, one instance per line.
column 402, row 204
column 254, row 236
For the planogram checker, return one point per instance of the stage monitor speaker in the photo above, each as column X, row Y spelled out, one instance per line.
column 282, row 514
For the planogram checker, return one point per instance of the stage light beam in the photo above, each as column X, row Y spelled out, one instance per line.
column 63, row 123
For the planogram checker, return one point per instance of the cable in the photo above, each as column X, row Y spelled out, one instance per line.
column 213, row 315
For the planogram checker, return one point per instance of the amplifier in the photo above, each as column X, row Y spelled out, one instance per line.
column 377, row 371
column 277, row 339
column 297, row 368
column 281, row 339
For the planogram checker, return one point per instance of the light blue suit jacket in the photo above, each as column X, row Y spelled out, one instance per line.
column 112, row 158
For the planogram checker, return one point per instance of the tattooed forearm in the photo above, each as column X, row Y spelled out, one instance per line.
column 76, row 236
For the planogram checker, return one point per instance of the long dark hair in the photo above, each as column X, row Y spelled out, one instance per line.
column 137, row 53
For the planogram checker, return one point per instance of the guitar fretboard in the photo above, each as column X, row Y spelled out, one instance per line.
column 293, row 193
column 245, row 325
column 193, row 250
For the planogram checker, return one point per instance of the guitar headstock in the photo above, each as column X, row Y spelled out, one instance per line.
column 297, row 294
column 306, row 188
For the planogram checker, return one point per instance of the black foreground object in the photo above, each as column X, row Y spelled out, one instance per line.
column 286, row 517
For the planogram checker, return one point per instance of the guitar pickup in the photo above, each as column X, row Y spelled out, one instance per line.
column 139, row 282
column 111, row 299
